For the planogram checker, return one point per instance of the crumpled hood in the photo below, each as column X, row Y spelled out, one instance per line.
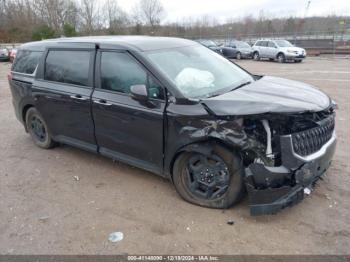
column 269, row 95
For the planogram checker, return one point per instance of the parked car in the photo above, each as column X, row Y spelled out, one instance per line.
column 238, row 50
column 13, row 54
column 211, row 45
column 4, row 54
column 281, row 50
column 213, row 129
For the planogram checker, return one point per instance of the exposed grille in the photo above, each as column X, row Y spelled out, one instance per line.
column 310, row 141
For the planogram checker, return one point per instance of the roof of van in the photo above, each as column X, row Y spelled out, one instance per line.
column 139, row 43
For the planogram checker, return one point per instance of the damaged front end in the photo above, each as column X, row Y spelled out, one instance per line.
column 298, row 151
column 282, row 153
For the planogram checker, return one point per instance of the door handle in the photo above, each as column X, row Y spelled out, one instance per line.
column 102, row 102
column 78, row 97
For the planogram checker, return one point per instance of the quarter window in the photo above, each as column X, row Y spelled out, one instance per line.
column 26, row 61
column 71, row 67
column 119, row 71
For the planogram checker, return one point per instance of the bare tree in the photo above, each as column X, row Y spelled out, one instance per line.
column 18, row 19
column 91, row 16
column 72, row 14
column 55, row 13
column 152, row 12
column 23, row 20
column 117, row 19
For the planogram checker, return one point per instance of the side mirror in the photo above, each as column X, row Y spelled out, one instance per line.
column 139, row 92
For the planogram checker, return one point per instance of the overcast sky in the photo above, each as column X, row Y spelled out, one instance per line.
column 176, row 10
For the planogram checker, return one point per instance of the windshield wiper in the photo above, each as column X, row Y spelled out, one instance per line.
column 220, row 93
column 241, row 85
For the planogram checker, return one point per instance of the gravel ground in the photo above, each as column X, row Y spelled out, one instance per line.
column 44, row 210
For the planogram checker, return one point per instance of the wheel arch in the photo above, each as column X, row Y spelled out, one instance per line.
column 204, row 147
column 24, row 113
column 279, row 53
column 256, row 52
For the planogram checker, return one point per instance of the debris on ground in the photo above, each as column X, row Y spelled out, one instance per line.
column 230, row 222
column 307, row 191
column 44, row 218
column 76, row 178
column 116, row 237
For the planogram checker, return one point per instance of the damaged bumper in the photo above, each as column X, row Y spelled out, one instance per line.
column 271, row 189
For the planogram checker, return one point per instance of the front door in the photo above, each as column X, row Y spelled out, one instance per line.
column 126, row 129
column 263, row 50
column 272, row 50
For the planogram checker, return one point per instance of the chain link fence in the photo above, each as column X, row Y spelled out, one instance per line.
column 314, row 42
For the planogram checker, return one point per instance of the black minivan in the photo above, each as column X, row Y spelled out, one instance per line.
column 177, row 109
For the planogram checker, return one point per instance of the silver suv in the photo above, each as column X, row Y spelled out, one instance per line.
column 281, row 50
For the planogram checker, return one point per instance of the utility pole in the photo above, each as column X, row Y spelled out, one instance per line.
column 302, row 21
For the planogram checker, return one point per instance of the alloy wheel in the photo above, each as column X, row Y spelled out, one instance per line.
column 206, row 177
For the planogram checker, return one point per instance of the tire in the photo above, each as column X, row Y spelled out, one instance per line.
column 256, row 56
column 281, row 58
column 239, row 56
column 228, row 191
column 298, row 61
column 38, row 129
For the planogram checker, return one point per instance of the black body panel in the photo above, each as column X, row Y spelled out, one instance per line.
column 151, row 133
column 126, row 129
column 21, row 90
column 66, row 109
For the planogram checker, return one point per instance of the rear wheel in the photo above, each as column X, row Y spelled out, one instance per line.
column 214, row 181
column 239, row 56
column 38, row 130
column 256, row 56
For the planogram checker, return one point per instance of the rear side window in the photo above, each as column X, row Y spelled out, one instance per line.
column 119, row 71
column 71, row 67
column 26, row 61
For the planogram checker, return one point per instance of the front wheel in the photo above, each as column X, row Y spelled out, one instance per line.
column 256, row 56
column 214, row 180
column 38, row 130
column 239, row 56
column 281, row 58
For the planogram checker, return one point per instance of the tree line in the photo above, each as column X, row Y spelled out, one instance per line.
column 25, row 20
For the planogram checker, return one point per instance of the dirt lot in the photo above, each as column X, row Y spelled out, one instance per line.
column 44, row 210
